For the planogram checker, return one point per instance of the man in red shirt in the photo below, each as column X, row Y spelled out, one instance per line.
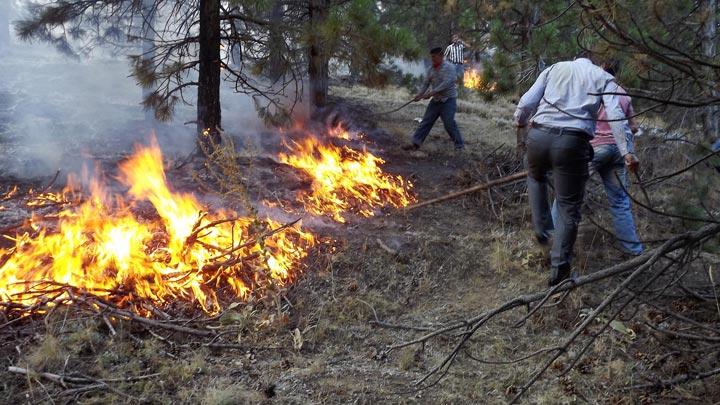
column 608, row 163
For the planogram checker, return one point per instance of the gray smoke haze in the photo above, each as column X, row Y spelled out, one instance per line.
column 59, row 113
column 414, row 68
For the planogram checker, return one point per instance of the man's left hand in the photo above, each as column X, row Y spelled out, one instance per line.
column 632, row 162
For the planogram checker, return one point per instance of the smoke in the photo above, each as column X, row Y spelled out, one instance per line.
column 414, row 68
column 62, row 113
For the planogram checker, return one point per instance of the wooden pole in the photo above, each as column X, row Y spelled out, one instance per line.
column 503, row 180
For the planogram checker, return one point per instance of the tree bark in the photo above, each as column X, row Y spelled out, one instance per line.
column 528, row 62
column 208, row 102
column 318, row 75
column 277, row 43
column 711, row 115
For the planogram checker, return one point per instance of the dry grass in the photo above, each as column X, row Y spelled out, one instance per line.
column 482, row 123
column 47, row 355
column 223, row 392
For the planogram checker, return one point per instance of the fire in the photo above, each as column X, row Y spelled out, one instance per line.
column 472, row 79
column 345, row 180
column 102, row 247
column 339, row 131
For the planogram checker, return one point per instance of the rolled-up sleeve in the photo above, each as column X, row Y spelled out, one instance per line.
column 529, row 101
column 617, row 119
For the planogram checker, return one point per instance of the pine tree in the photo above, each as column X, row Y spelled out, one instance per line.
column 263, row 47
column 166, row 67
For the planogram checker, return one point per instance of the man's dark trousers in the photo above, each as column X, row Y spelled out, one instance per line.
column 439, row 109
column 567, row 154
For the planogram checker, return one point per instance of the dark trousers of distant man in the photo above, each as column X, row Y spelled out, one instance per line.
column 566, row 153
column 439, row 109
column 460, row 72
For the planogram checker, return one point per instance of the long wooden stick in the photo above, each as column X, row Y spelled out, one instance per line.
column 642, row 187
column 503, row 180
column 395, row 110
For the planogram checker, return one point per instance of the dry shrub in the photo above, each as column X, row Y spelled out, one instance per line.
column 48, row 355
column 225, row 392
column 408, row 358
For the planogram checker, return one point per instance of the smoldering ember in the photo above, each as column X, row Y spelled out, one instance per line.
column 225, row 202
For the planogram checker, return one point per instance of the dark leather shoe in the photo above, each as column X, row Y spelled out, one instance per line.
column 543, row 239
column 558, row 274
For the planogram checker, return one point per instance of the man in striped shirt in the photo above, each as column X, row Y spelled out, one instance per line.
column 455, row 54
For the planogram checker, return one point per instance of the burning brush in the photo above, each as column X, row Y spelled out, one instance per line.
column 102, row 248
column 344, row 180
column 473, row 79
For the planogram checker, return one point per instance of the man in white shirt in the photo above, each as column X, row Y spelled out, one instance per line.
column 565, row 99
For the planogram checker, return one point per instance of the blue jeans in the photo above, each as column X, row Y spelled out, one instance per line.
column 446, row 111
column 610, row 166
column 460, row 73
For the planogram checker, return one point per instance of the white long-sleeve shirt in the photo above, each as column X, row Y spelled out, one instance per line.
column 565, row 96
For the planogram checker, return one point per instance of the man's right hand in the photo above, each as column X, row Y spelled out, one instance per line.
column 418, row 98
column 631, row 162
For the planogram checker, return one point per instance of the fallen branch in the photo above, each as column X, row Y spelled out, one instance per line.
column 81, row 383
column 149, row 322
column 637, row 264
column 63, row 379
column 504, row 180
column 677, row 380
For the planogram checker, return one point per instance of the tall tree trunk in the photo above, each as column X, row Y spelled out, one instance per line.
column 236, row 48
column 148, row 47
column 208, row 102
column 711, row 115
column 528, row 62
column 318, row 68
column 276, row 42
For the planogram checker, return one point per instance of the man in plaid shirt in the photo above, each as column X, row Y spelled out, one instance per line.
column 440, row 87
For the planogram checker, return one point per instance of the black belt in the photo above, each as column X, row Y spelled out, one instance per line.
column 561, row 131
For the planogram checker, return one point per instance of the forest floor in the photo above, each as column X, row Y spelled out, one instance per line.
column 424, row 267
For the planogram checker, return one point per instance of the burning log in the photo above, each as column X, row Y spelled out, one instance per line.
column 504, row 180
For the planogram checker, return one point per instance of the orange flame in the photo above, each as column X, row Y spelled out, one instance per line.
column 345, row 180
column 103, row 248
column 472, row 79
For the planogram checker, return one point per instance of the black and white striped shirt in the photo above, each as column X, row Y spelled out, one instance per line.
column 454, row 52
